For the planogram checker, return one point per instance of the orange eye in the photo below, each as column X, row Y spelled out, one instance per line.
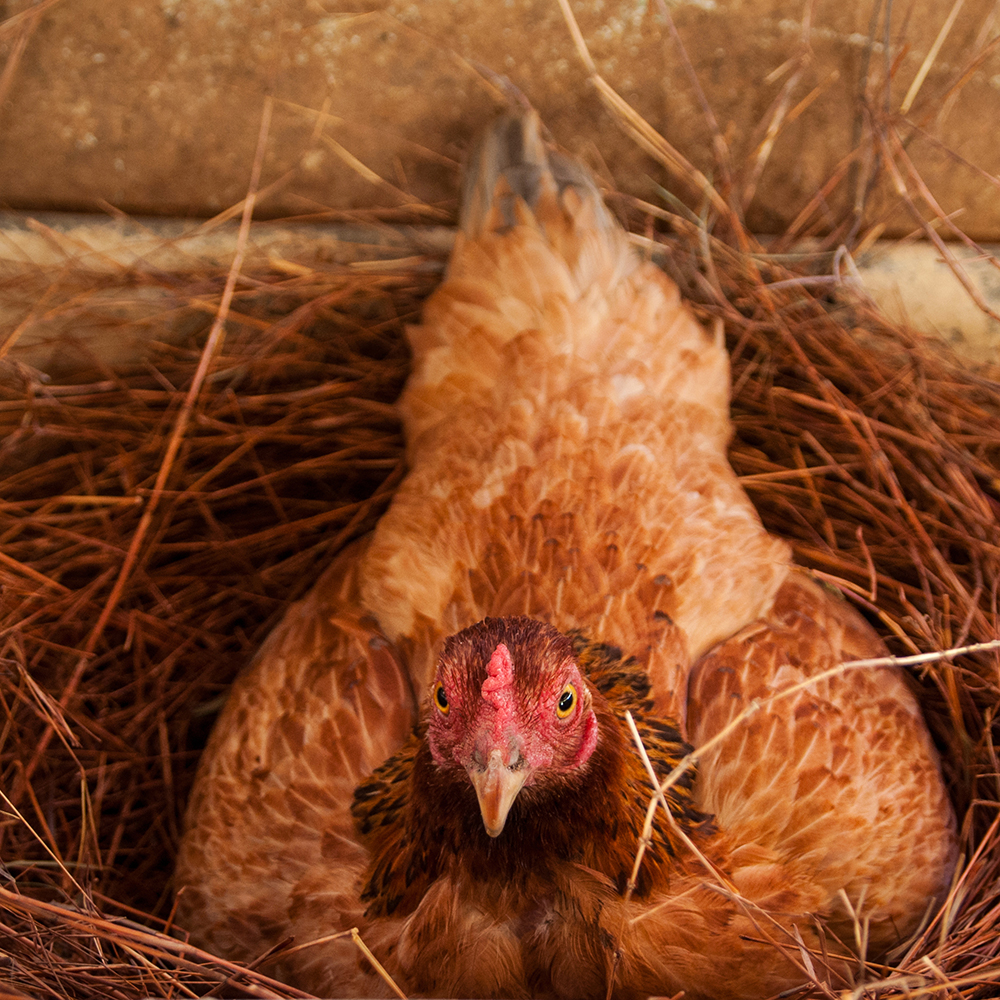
column 441, row 699
column 566, row 702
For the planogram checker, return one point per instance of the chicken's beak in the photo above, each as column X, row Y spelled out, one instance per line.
column 496, row 788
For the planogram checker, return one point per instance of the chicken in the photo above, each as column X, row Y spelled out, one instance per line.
column 569, row 545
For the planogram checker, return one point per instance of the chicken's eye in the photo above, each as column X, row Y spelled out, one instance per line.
column 441, row 699
column 566, row 702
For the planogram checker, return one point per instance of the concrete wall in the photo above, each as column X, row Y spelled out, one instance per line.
column 153, row 106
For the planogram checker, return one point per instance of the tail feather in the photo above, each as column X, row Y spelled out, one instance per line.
column 512, row 163
column 515, row 180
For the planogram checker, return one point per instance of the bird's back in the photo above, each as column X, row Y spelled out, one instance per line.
column 567, row 422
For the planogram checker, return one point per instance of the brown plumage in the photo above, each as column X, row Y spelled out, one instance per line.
column 569, row 544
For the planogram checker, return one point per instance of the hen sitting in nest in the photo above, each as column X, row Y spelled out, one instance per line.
column 570, row 544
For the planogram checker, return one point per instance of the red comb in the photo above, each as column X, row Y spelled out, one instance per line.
column 499, row 676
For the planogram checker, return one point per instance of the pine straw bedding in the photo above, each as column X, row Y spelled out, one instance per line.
column 870, row 450
column 130, row 604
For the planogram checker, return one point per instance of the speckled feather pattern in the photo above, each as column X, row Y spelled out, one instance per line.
column 567, row 422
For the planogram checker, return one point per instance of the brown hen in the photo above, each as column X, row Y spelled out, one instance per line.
column 569, row 544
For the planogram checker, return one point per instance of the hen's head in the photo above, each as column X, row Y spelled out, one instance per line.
column 510, row 706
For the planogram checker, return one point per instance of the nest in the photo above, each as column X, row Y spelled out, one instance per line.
column 158, row 516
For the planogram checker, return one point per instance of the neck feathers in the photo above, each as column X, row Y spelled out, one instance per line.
column 593, row 818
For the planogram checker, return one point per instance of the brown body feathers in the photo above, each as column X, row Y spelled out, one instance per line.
column 569, row 545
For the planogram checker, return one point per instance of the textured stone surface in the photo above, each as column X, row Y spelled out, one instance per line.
column 911, row 284
column 154, row 105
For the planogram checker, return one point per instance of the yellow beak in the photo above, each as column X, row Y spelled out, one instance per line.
column 496, row 788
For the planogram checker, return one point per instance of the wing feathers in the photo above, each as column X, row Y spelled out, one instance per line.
column 839, row 779
column 324, row 703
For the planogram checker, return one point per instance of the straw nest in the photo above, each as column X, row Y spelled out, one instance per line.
column 157, row 517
